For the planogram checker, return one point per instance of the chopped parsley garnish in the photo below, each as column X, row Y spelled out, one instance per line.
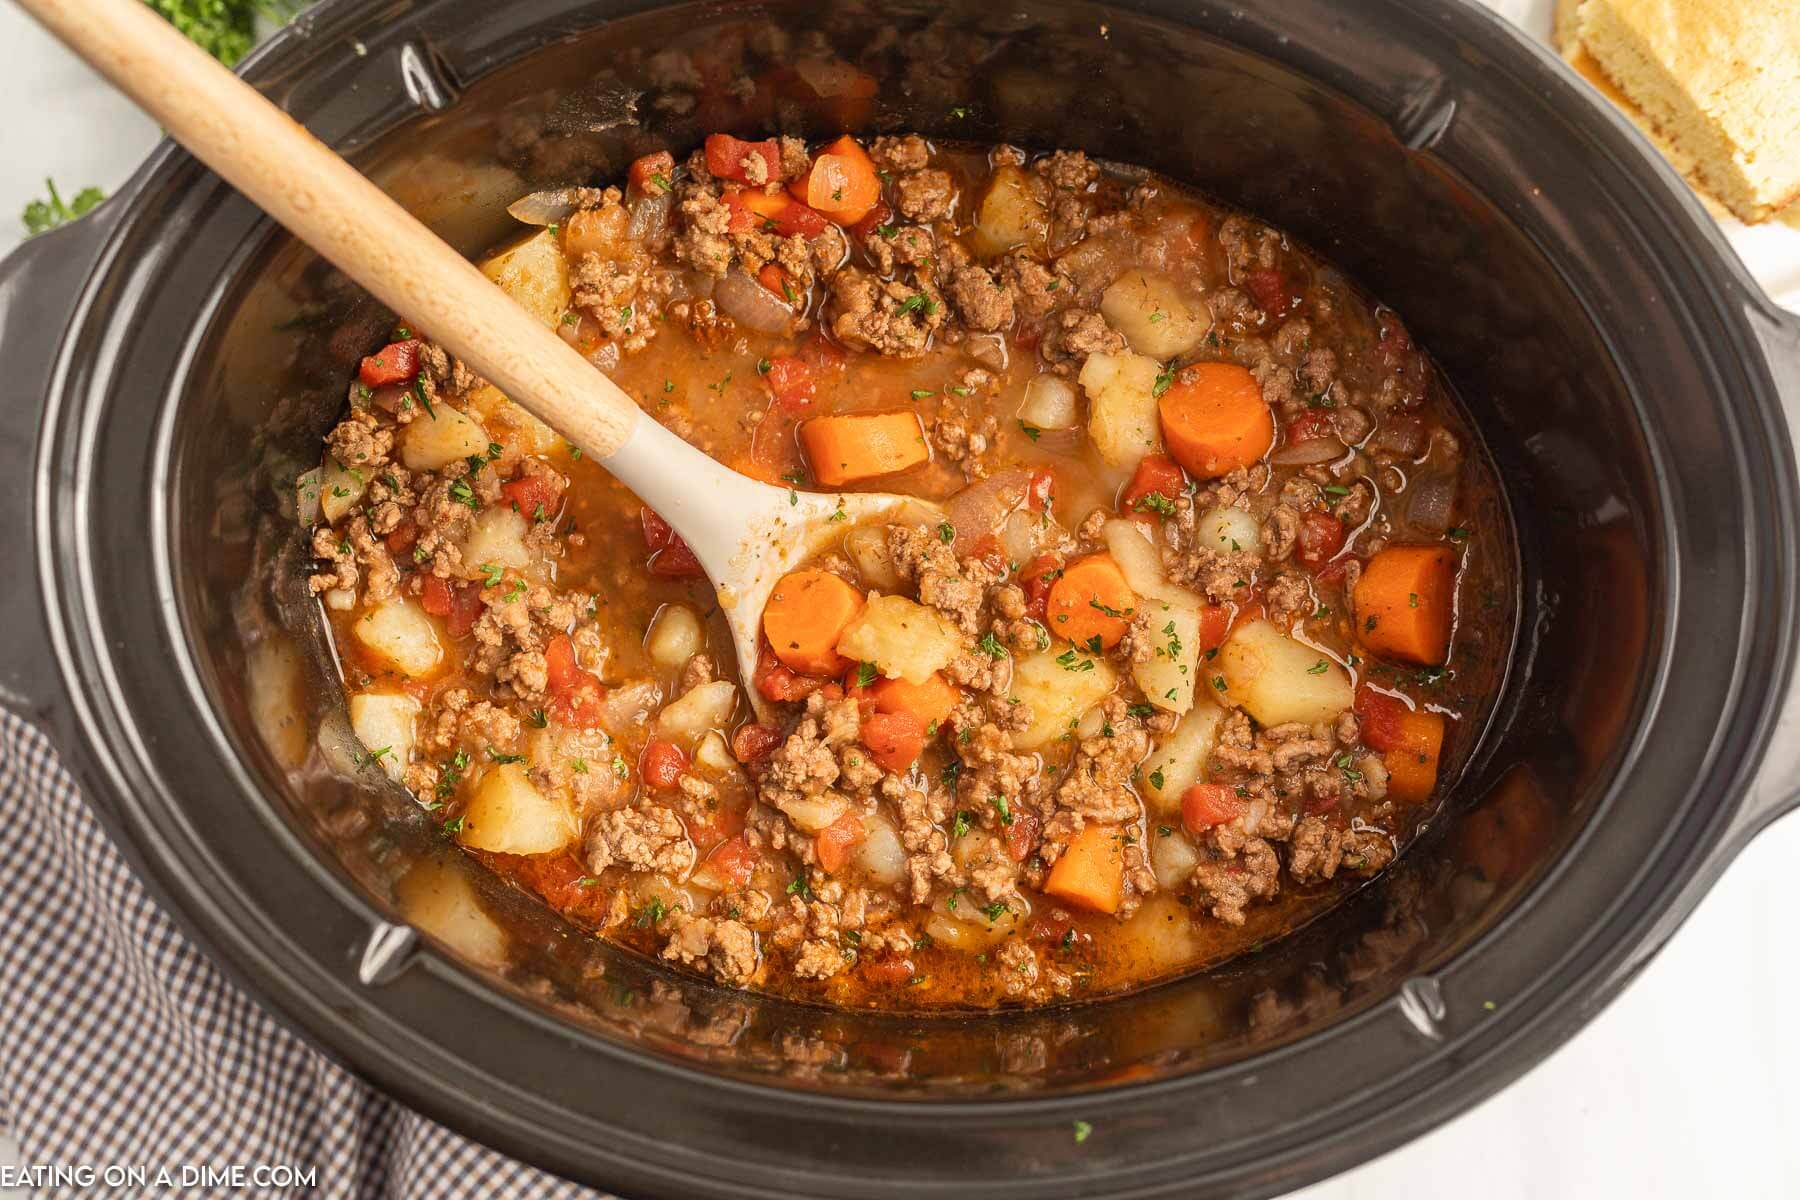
column 1140, row 710
column 1068, row 661
column 1164, row 379
column 43, row 215
column 1156, row 779
column 491, row 574
column 921, row 393
column 1111, row 612
column 962, row 823
column 1318, row 668
column 1030, row 431
column 1083, row 1130
column 946, row 532
column 951, row 772
column 652, row 913
column 865, row 674
column 1004, row 808
column 1156, row 502
column 990, row 645
column 462, row 493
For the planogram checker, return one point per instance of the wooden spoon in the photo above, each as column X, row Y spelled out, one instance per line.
column 746, row 534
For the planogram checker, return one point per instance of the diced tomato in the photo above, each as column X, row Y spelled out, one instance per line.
column 791, row 379
column 576, row 696
column 836, row 840
column 1383, row 719
column 878, row 216
column 895, row 740
column 393, row 363
column 1156, row 475
column 669, row 555
column 1320, row 537
column 1215, row 626
column 1050, row 925
column 662, row 765
column 535, row 496
column 459, row 604
column 400, row 539
column 888, row 971
column 779, row 214
column 1038, row 577
column 1271, row 291
column 1040, row 493
column 782, row 684
column 730, row 864
column 435, row 598
column 725, row 157
column 1207, row 804
column 753, row 743
column 1310, row 426
column 651, row 174
column 1021, row 836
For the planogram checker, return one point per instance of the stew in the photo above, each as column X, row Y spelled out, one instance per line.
column 1218, row 594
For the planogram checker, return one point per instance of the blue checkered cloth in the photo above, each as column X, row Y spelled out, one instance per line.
column 121, row 1044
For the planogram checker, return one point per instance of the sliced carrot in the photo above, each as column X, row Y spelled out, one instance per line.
column 807, row 613
column 1091, row 600
column 842, row 183
column 858, row 446
column 834, row 842
column 753, row 211
column 1413, row 768
column 1091, row 872
column 931, row 702
column 1214, row 419
column 894, row 740
column 1405, row 602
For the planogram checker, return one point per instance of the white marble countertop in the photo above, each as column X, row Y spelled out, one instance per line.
column 1688, row 1086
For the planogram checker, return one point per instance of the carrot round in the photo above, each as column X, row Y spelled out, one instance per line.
column 931, row 702
column 1091, row 872
column 1091, row 600
column 1215, row 420
column 807, row 613
column 894, row 740
column 842, row 183
column 857, row 446
column 1412, row 765
column 1405, row 602
column 835, row 842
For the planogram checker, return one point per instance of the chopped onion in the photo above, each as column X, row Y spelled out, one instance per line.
column 829, row 77
column 1432, row 502
column 880, row 854
column 650, row 218
column 1024, row 534
column 988, row 349
column 545, row 208
column 1308, row 453
column 1050, row 403
column 751, row 304
column 1173, row 858
column 977, row 512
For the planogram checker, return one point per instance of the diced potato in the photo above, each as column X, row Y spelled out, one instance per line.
column 903, row 639
column 439, row 900
column 675, row 635
column 535, row 274
column 508, row 815
column 434, row 441
column 714, row 755
column 1058, row 692
column 1178, row 761
column 1277, row 679
column 502, row 417
column 702, row 710
column 275, row 687
column 1010, row 215
column 1129, row 544
column 1122, row 418
column 383, row 722
column 399, row 633
column 1050, row 403
column 962, row 922
column 1229, row 529
column 340, row 488
column 880, row 855
column 866, row 547
column 1154, row 315
column 810, row 814
column 1172, row 856
column 496, row 538
column 1161, row 932
column 1169, row 675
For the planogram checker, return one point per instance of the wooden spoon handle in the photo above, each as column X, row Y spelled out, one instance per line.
column 327, row 204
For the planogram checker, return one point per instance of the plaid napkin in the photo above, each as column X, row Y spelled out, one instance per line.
column 122, row 1046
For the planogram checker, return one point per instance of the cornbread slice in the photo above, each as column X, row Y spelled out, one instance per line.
column 1566, row 36
column 1720, row 80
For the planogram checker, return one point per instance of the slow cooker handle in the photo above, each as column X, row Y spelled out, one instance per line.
column 1776, row 790
column 39, row 285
